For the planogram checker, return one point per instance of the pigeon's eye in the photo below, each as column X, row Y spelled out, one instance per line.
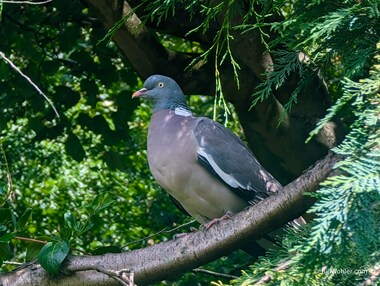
column 161, row 84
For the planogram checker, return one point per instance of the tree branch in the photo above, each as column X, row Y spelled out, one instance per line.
column 8, row 61
column 171, row 258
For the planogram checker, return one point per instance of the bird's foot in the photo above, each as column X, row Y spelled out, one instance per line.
column 210, row 223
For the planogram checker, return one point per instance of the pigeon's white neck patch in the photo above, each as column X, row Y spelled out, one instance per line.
column 182, row 112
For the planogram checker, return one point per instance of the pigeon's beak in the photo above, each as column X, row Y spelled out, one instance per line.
column 139, row 92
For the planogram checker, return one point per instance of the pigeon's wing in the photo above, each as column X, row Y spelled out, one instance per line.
column 224, row 155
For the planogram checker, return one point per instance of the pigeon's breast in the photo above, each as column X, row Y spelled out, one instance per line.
column 171, row 148
column 172, row 156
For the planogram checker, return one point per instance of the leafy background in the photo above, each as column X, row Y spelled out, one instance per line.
column 83, row 179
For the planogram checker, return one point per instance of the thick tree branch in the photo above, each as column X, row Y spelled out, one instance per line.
column 160, row 261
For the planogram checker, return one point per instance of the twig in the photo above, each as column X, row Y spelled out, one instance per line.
column 26, row 2
column 124, row 276
column 159, row 232
column 31, row 239
column 43, row 242
column 29, row 80
column 13, row 263
column 215, row 274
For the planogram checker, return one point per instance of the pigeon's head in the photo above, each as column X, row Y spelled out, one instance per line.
column 163, row 91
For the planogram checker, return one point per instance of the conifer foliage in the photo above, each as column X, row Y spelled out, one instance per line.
column 341, row 245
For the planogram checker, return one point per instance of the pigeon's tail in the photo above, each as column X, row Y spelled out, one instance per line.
column 296, row 223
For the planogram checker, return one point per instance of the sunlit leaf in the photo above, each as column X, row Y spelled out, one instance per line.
column 101, row 201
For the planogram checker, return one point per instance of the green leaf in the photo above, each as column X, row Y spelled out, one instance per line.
column 66, row 232
column 74, row 148
column 101, row 202
column 65, row 96
column 70, row 221
column 50, row 67
column 85, row 227
column 24, row 219
column 5, row 251
column 32, row 250
column 5, row 215
column 52, row 255
column 91, row 90
column 6, row 237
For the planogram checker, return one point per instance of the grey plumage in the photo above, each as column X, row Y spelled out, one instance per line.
column 205, row 167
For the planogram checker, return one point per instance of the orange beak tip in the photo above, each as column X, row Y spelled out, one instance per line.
column 139, row 92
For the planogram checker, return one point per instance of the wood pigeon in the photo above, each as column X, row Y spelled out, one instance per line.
column 203, row 165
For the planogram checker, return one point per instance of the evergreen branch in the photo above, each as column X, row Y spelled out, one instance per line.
column 267, row 10
column 305, row 80
column 160, row 9
column 286, row 63
column 111, row 32
column 347, row 96
column 352, row 91
column 222, row 50
column 268, row 277
column 327, row 26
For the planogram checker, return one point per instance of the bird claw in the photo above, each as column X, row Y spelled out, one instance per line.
column 210, row 223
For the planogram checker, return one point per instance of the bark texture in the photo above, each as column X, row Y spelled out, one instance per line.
column 171, row 258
